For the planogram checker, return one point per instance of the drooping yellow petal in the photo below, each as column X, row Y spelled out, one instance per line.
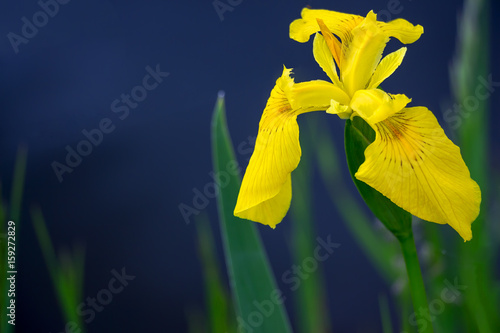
column 324, row 58
column 265, row 192
column 375, row 105
column 362, row 54
column 415, row 165
column 386, row 67
column 403, row 30
column 338, row 23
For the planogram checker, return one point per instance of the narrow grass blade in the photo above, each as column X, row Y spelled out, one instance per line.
column 310, row 297
column 218, row 303
column 66, row 274
column 385, row 314
column 406, row 312
column 258, row 301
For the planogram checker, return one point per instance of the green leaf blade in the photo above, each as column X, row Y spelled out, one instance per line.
column 218, row 304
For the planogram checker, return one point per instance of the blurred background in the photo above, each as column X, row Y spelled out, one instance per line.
column 85, row 67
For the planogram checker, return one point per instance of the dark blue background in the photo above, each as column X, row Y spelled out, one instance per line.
column 122, row 201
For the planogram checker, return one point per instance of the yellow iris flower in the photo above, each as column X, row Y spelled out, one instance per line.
column 411, row 161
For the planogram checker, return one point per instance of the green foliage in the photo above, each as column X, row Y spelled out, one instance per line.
column 310, row 299
column 66, row 272
column 479, row 257
column 385, row 313
column 220, row 315
column 252, row 283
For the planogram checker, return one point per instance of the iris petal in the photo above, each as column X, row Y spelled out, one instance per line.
column 342, row 24
column 324, row 58
column 386, row 67
column 265, row 192
column 361, row 55
column 403, row 30
column 338, row 23
column 415, row 165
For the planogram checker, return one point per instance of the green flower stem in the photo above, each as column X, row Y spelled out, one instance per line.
column 417, row 287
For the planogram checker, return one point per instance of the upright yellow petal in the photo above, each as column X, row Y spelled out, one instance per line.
column 265, row 192
column 362, row 54
column 386, row 67
column 415, row 165
column 324, row 58
column 338, row 23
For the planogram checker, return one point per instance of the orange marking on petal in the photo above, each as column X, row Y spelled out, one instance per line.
column 333, row 43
